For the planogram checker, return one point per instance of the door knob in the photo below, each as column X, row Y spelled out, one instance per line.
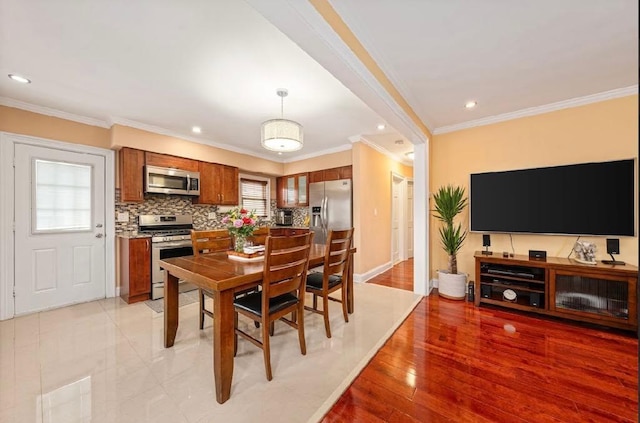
column 99, row 235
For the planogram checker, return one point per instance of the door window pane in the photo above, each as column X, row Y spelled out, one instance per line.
column 62, row 196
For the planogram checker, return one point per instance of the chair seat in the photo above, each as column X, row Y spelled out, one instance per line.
column 253, row 303
column 314, row 280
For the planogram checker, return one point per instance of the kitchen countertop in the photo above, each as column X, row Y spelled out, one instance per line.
column 132, row 234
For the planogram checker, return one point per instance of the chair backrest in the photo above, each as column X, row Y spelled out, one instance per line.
column 210, row 241
column 285, row 265
column 337, row 252
column 260, row 235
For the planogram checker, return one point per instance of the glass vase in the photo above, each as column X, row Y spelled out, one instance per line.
column 239, row 242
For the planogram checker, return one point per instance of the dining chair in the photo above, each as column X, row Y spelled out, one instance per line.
column 208, row 242
column 286, row 263
column 333, row 277
column 259, row 236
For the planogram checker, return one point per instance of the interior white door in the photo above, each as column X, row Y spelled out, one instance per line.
column 409, row 210
column 395, row 219
column 59, row 228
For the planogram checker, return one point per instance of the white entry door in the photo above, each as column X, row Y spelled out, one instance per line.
column 409, row 219
column 396, row 205
column 59, row 228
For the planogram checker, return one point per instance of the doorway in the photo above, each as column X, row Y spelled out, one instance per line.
column 60, row 249
column 401, row 218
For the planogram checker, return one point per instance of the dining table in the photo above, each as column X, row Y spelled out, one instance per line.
column 224, row 276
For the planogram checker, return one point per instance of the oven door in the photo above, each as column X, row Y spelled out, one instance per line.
column 163, row 250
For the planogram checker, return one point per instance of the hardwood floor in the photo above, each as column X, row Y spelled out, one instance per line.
column 450, row 361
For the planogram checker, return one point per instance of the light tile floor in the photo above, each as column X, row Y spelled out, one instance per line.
column 104, row 361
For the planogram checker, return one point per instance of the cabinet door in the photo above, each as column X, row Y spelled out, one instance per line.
column 165, row 160
column 131, row 172
column 281, row 192
column 291, row 186
column 346, row 172
column 139, row 266
column 229, row 192
column 303, row 190
column 209, row 184
column 332, row 174
column 317, row 176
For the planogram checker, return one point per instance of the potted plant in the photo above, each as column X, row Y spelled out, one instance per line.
column 449, row 202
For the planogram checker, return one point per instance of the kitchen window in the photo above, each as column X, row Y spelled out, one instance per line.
column 254, row 194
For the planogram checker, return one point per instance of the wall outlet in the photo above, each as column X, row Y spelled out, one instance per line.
column 212, row 215
column 123, row 216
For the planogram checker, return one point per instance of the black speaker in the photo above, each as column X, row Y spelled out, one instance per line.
column 485, row 291
column 535, row 299
column 486, row 240
column 613, row 246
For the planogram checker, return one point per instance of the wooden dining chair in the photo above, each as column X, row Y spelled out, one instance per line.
column 259, row 236
column 208, row 242
column 333, row 277
column 285, row 267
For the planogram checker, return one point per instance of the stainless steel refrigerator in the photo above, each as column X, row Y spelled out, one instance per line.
column 330, row 206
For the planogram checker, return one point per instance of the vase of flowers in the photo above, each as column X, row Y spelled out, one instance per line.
column 241, row 223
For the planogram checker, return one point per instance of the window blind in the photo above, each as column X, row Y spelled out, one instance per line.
column 254, row 196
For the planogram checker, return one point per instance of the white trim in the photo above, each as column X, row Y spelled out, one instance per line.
column 338, row 149
column 7, row 146
column 532, row 111
column 363, row 277
column 16, row 104
column 381, row 150
column 421, row 220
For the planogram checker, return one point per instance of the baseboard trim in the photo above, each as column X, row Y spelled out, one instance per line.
column 117, row 291
column 364, row 277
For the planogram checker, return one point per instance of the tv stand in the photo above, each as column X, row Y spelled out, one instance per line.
column 613, row 261
column 601, row 294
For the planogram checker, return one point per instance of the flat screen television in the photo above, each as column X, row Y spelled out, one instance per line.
column 579, row 199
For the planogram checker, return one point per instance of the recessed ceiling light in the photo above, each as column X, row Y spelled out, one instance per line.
column 19, row 78
column 410, row 155
column 399, row 142
column 471, row 104
column 279, row 153
column 381, row 126
column 196, row 130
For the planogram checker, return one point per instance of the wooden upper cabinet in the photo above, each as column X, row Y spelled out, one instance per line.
column 131, row 174
column 164, row 160
column 333, row 174
column 293, row 190
column 218, row 184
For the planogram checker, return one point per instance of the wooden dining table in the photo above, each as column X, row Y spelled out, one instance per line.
column 223, row 276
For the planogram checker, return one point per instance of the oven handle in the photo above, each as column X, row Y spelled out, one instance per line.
column 165, row 245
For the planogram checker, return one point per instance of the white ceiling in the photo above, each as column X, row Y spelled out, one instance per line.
column 171, row 64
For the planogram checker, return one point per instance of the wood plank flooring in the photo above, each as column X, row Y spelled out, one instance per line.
column 453, row 362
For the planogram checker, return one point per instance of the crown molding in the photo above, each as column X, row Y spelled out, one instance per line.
column 381, row 150
column 42, row 110
column 318, row 154
column 532, row 111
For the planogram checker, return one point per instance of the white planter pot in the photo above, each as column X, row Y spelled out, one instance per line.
column 453, row 287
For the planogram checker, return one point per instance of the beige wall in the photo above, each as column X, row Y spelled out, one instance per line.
column 328, row 161
column 601, row 131
column 372, row 206
column 36, row 125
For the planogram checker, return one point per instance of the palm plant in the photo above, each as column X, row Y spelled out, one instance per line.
column 449, row 202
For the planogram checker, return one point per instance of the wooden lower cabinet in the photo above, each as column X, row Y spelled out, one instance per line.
column 135, row 269
column 287, row 231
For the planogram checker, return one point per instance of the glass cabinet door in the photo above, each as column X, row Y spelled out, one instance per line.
column 291, row 190
column 302, row 189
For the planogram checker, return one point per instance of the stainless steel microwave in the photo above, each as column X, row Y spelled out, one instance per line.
column 163, row 180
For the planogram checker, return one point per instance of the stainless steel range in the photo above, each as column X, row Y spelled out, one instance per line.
column 170, row 237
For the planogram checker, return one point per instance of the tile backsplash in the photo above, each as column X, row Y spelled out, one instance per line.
column 178, row 204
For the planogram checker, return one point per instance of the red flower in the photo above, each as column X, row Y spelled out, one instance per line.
column 244, row 211
column 246, row 220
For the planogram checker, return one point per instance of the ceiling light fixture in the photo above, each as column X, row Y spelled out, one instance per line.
column 381, row 126
column 281, row 135
column 20, row 79
column 410, row 155
column 196, row 130
column 471, row 104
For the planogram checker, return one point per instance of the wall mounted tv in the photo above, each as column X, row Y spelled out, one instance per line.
column 580, row 199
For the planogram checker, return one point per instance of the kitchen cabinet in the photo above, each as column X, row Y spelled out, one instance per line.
column 287, row 231
column 165, row 160
column 333, row 174
column 135, row 268
column 293, row 190
column 218, row 184
column 131, row 174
